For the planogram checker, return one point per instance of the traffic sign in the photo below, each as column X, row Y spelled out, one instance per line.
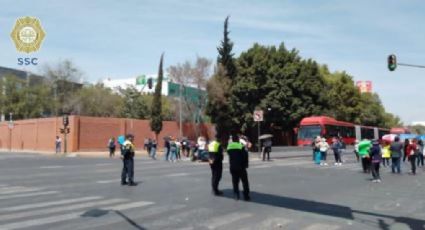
column 258, row 115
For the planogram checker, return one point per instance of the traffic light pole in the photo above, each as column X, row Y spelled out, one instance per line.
column 410, row 65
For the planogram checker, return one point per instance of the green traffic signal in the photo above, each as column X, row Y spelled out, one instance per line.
column 392, row 62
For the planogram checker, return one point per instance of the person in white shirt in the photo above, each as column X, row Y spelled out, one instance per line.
column 324, row 147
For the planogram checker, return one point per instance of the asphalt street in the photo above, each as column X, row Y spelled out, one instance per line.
column 54, row 192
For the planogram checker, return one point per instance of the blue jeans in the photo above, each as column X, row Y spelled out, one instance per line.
column 166, row 153
column 153, row 152
column 395, row 164
column 317, row 157
column 173, row 155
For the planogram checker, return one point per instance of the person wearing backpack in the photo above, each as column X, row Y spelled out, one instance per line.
column 111, row 147
column 376, row 157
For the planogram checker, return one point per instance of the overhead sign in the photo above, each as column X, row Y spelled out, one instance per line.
column 258, row 115
column 141, row 80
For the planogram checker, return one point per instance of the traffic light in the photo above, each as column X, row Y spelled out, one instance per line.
column 65, row 120
column 150, row 83
column 392, row 62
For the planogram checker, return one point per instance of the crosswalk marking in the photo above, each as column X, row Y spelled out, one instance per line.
column 220, row 221
column 27, row 195
column 46, row 204
column 177, row 174
column 58, row 209
column 60, row 218
column 52, row 167
column 19, row 190
column 108, row 181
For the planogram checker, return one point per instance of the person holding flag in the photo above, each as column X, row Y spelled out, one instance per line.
column 364, row 147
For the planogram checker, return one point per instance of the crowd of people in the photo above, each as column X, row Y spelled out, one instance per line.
column 373, row 153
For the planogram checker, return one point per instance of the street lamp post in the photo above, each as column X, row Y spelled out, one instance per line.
column 10, row 130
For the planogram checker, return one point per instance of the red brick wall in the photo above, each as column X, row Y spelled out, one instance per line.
column 87, row 133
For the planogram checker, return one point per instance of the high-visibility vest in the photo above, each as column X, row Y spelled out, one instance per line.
column 234, row 146
column 213, row 147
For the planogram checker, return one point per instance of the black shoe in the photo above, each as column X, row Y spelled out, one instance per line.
column 132, row 184
column 218, row 193
column 124, row 183
column 236, row 196
column 247, row 198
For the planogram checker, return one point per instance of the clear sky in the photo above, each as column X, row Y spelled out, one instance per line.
column 122, row 39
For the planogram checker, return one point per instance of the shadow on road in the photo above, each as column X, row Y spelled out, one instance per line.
column 327, row 209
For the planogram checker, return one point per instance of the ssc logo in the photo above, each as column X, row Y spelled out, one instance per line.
column 27, row 34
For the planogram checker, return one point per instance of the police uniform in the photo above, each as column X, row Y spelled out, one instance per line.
column 128, row 151
column 238, row 160
column 215, row 152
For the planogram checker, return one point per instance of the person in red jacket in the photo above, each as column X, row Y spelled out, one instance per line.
column 411, row 151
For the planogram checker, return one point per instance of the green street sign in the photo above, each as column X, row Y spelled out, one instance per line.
column 141, row 80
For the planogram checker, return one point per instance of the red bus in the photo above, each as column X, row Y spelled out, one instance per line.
column 328, row 127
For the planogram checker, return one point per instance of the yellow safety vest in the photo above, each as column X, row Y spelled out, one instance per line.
column 213, row 147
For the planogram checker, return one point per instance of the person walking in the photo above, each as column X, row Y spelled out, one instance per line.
column 316, row 150
column 267, row 149
column 324, row 147
column 375, row 156
column 238, row 161
column 405, row 151
column 153, row 149
column 149, row 146
column 386, row 154
column 364, row 147
column 420, row 154
column 167, row 148
column 215, row 154
column 336, row 147
column 128, row 151
column 179, row 149
column 396, row 149
column 412, row 150
column 356, row 150
column 111, row 147
column 173, row 151
column 58, row 143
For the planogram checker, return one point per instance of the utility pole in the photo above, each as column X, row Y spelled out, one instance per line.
column 10, row 131
column 180, row 109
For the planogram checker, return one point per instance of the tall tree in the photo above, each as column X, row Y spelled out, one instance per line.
column 219, row 88
column 156, row 115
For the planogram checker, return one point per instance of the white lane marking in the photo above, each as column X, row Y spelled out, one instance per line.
column 108, row 181
column 59, row 218
column 220, row 221
column 52, row 167
column 322, row 226
column 47, row 204
column 27, row 195
column 177, row 174
column 19, row 190
column 129, row 205
column 58, row 209
column 11, row 187
column 112, row 219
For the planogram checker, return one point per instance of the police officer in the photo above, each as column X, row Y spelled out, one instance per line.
column 238, row 160
column 128, row 150
column 215, row 153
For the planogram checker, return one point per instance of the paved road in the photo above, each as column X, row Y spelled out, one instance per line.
column 39, row 192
